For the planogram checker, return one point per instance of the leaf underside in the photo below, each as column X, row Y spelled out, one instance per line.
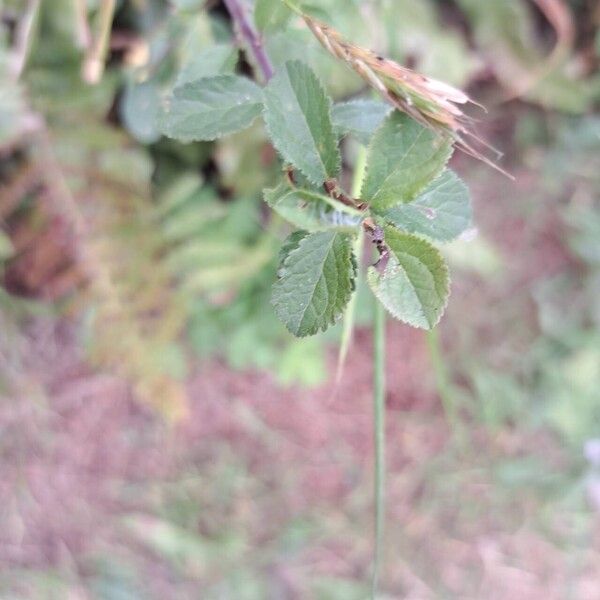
column 414, row 287
column 290, row 244
column 308, row 209
column 315, row 281
column 298, row 119
column 211, row 107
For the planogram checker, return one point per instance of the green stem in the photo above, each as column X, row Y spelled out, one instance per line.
column 24, row 34
column 378, row 385
column 349, row 316
column 293, row 7
column 336, row 204
column 359, row 172
column 379, row 434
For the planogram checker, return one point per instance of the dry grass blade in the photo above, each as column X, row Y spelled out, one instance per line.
column 350, row 314
column 432, row 103
column 93, row 65
column 561, row 19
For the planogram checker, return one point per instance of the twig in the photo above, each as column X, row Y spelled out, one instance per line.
column 250, row 37
column 23, row 37
column 333, row 189
column 93, row 65
column 561, row 19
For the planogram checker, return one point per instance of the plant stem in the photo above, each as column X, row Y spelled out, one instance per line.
column 251, row 37
column 379, row 434
column 93, row 65
column 83, row 35
column 293, row 7
column 360, row 168
column 378, row 385
column 350, row 313
column 24, row 34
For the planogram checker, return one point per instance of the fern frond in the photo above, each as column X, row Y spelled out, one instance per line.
column 145, row 261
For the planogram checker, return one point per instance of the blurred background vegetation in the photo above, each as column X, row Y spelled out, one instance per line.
column 163, row 436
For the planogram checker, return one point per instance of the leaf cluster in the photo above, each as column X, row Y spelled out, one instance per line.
column 408, row 193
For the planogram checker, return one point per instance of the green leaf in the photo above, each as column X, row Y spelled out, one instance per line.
column 403, row 158
column 219, row 59
column 297, row 115
column 441, row 212
column 315, row 281
column 140, row 107
column 310, row 210
column 211, row 107
column 270, row 15
column 359, row 118
column 291, row 243
column 414, row 286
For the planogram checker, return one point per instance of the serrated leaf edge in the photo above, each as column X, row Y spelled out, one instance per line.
column 370, row 149
column 329, row 103
column 281, row 272
column 290, row 244
column 188, row 139
column 448, row 278
column 433, row 240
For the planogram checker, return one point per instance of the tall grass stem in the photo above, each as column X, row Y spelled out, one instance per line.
column 379, row 436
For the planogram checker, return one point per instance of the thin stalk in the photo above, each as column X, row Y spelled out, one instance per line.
column 336, row 204
column 24, row 35
column 93, row 64
column 378, row 383
column 250, row 37
column 293, row 7
column 379, row 434
column 350, row 314
column 359, row 172
column 83, row 35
